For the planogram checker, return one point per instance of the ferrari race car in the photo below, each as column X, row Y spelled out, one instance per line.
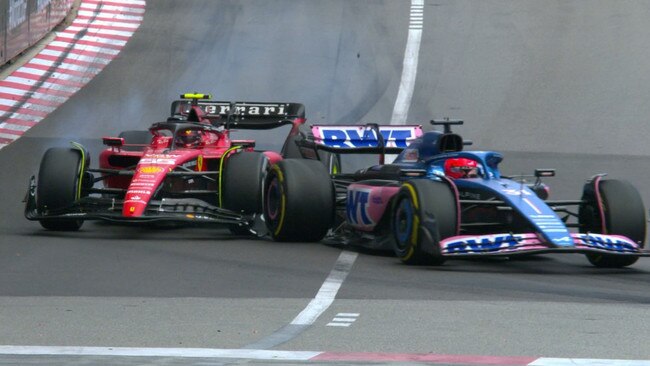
column 436, row 201
column 183, row 169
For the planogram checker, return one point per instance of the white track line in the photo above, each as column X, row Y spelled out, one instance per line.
column 159, row 352
column 325, row 296
column 410, row 66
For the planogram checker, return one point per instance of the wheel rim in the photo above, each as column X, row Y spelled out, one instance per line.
column 273, row 200
column 403, row 223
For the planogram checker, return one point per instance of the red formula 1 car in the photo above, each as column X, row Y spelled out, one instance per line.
column 184, row 169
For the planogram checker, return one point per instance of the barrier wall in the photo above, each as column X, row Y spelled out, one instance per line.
column 25, row 22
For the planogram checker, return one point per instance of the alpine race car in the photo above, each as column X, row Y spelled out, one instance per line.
column 184, row 169
column 437, row 201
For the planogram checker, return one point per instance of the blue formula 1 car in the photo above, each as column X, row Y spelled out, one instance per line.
column 437, row 201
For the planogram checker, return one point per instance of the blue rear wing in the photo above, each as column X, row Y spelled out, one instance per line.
column 369, row 139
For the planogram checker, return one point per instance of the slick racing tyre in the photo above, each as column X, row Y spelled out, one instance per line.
column 135, row 137
column 624, row 214
column 242, row 180
column 59, row 186
column 423, row 213
column 299, row 201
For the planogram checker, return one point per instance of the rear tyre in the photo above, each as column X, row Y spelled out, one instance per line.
column 424, row 212
column 136, row 137
column 624, row 214
column 59, row 186
column 242, row 181
column 299, row 201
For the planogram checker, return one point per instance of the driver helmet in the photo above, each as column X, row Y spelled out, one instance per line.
column 188, row 138
column 461, row 168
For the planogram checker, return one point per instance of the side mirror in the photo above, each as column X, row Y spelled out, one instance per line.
column 544, row 173
column 113, row 141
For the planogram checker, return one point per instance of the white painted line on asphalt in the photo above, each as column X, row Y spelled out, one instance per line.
column 343, row 320
column 349, row 320
column 348, row 314
column 160, row 352
column 410, row 65
column 332, row 324
column 325, row 296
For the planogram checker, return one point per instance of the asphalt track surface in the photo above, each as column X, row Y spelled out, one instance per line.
column 552, row 84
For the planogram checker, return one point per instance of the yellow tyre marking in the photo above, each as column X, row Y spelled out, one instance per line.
column 79, row 147
column 282, row 199
column 410, row 187
column 199, row 163
column 223, row 158
column 416, row 222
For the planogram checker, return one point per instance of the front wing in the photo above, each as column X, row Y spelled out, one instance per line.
column 509, row 244
column 189, row 210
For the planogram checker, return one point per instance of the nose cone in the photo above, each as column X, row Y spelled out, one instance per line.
column 134, row 206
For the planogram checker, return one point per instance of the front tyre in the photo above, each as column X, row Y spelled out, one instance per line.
column 242, row 182
column 620, row 212
column 299, row 201
column 59, row 186
column 423, row 213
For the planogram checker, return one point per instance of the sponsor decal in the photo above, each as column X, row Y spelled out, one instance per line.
column 146, row 176
column 138, row 191
column 532, row 205
column 351, row 137
column 607, row 242
column 246, row 109
column 516, row 192
column 142, row 184
column 153, row 160
column 134, row 202
column 151, row 169
column 357, row 207
column 484, row 243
